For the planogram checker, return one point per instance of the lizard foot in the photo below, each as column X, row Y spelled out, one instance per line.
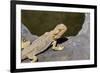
column 34, row 59
column 59, row 47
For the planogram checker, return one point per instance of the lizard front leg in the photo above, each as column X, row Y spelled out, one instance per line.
column 57, row 47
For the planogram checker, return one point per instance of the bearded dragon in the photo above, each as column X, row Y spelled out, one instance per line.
column 42, row 43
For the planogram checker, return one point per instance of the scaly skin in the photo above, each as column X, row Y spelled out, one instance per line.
column 43, row 42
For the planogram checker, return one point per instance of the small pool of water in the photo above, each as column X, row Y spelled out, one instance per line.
column 39, row 22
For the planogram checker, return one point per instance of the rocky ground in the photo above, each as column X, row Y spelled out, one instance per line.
column 76, row 47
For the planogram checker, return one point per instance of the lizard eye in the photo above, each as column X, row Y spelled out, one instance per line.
column 60, row 30
column 24, row 40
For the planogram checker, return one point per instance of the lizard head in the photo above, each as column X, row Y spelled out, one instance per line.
column 59, row 30
column 61, row 27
